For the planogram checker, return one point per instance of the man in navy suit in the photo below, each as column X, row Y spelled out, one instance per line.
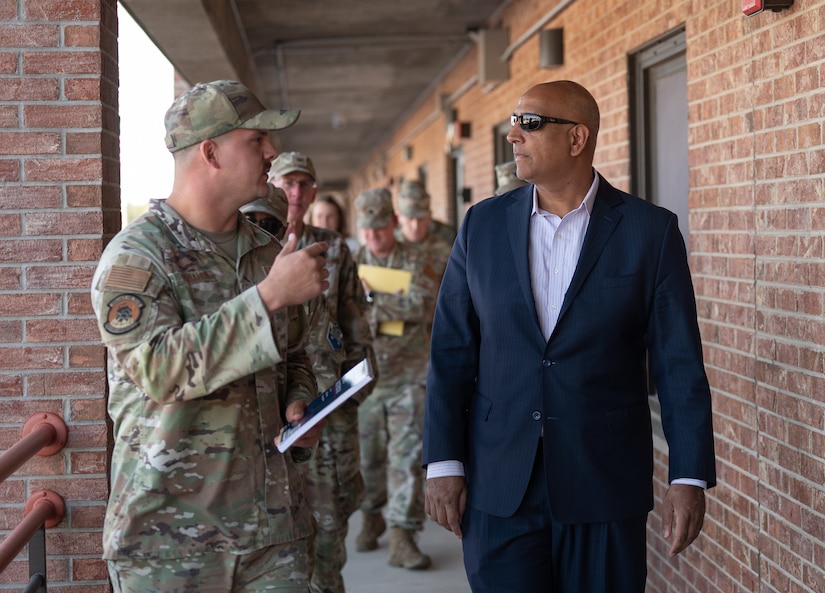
column 537, row 433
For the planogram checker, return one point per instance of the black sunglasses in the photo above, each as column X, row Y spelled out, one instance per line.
column 270, row 224
column 530, row 122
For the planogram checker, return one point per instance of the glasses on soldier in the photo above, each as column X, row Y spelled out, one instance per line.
column 269, row 223
column 302, row 184
column 530, row 122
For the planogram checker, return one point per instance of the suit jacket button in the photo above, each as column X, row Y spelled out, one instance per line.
column 545, row 362
column 536, row 415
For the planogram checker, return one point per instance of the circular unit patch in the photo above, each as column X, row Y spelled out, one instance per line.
column 124, row 314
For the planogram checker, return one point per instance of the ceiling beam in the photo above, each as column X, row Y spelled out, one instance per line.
column 183, row 31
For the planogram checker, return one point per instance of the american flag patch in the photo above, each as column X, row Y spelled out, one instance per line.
column 126, row 278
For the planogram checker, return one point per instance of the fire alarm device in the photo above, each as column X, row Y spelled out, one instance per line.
column 751, row 7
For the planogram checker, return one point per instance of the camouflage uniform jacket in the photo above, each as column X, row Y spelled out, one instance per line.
column 442, row 231
column 340, row 336
column 437, row 250
column 199, row 378
column 403, row 358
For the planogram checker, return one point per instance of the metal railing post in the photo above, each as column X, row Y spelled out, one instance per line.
column 37, row 584
column 37, row 562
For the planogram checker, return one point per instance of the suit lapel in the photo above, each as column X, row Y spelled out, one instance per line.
column 603, row 221
column 518, row 226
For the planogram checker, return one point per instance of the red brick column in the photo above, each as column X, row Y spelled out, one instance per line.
column 59, row 202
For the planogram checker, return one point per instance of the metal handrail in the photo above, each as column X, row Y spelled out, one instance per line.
column 36, row 584
column 44, row 434
column 44, row 508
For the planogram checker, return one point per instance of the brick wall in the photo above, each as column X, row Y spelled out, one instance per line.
column 757, row 216
column 59, row 197
column 757, row 196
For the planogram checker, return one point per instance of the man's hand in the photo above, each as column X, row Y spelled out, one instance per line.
column 296, row 276
column 682, row 515
column 294, row 412
column 445, row 501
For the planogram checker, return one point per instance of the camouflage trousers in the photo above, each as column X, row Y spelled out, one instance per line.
column 281, row 568
column 390, row 423
column 334, row 488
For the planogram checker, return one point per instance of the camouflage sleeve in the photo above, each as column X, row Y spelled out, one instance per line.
column 352, row 319
column 440, row 256
column 168, row 358
column 300, row 380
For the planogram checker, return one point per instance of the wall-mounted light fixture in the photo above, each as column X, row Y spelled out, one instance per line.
column 751, row 7
column 492, row 43
column 456, row 130
column 551, row 48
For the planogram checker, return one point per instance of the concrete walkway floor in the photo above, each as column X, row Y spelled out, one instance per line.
column 368, row 572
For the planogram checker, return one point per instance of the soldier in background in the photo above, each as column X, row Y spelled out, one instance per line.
column 391, row 418
column 269, row 213
column 506, row 179
column 200, row 312
column 414, row 189
column 416, row 224
column 443, row 231
column 339, row 339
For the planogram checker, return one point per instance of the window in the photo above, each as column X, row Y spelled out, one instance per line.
column 659, row 139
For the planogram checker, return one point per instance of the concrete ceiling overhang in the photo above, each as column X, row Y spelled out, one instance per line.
column 353, row 67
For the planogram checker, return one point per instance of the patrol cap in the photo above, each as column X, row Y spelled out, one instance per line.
column 374, row 208
column 506, row 179
column 274, row 204
column 291, row 162
column 413, row 199
column 210, row 109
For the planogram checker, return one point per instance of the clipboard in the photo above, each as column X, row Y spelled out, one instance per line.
column 391, row 328
column 387, row 280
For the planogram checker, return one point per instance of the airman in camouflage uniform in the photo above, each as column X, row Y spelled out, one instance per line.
column 201, row 315
column 417, row 227
column 339, row 339
column 391, row 419
column 443, row 231
column 506, row 179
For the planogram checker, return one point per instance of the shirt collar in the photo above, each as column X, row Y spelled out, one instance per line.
column 587, row 202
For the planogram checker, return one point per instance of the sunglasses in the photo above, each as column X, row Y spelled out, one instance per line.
column 270, row 224
column 530, row 122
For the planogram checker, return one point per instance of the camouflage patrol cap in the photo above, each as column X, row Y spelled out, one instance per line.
column 291, row 162
column 506, row 179
column 413, row 200
column 274, row 204
column 374, row 208
column 210, row 109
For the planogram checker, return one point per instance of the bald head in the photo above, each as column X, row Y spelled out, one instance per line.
column 569, row 100
column 557, row 156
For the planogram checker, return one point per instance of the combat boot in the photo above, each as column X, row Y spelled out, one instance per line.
column 372, row 527
column 404, row 551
